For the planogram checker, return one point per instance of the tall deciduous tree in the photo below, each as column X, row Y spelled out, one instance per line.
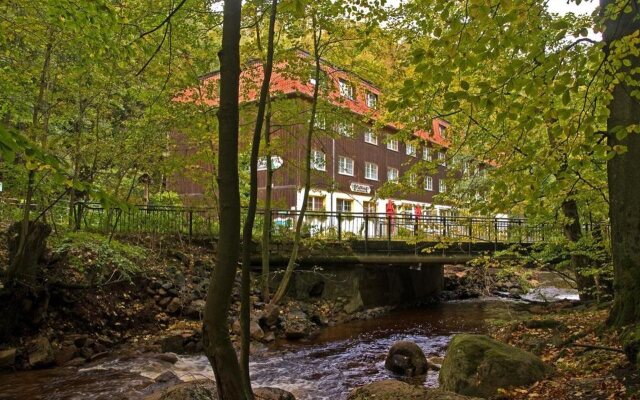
column 621, row 30
column 230, row 381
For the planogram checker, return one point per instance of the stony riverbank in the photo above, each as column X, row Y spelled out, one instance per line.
column 150, row 296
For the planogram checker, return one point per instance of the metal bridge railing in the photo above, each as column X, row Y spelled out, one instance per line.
column 202, row 222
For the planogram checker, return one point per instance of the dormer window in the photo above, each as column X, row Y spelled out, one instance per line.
column 346, row 89
column 443, row 131
column 372, row 100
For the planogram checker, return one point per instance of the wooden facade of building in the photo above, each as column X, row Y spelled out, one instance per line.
column 355, row 163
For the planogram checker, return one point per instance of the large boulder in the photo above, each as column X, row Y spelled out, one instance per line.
column 270, row 393
column 297, row 325
column 7, row 358
column 40, row 352
column 202, row 389
column 406, row 358
column 396, row 390
column 478, row 365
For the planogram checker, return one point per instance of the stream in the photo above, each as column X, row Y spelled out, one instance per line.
column 327, row 367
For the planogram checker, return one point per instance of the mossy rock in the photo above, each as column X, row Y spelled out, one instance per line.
column 477, row 365
column 397, row 390
column 202, row 389
column 544, row 324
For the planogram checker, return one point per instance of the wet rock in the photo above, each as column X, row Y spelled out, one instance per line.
column 269, row 337
column 203, row 389
column 271, row 316
column 406, row 358
column 164, row 301
column 167, row 376
column 76, row 362
column 7, row 358
column 171, row 358
column 478, row 365
column 396, row 390
column 174, row 305
column 167, row 285
column 65, row 354
column 296, row 325
column 99, row 356
column 173, row 344
column 255, row 332
column 270, row 393
column 80, row 340
column 86, row 352
column 195, row 309
column 40, row 352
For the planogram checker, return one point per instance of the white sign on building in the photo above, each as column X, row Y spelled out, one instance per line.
column 360, row 188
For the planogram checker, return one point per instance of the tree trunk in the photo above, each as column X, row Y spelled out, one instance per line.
column 266, row 225
column 623, row 173
column 20, row 259
column 284, row 284
column 579, row 263
column 217, row 344
column 247, row 233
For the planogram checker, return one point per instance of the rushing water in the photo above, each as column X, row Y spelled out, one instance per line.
column 339, row 359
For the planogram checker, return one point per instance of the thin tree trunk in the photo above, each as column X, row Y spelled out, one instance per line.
column 14, row 272
column 623, row 173
column 217, row 344
column 266, row 226
column 247, row 234
column 284, row 284
column 579, row 262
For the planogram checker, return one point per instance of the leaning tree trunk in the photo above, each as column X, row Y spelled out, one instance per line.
column 293, row 258
column 247, row 233
column 217, row 344
column 623, row 173
column 579, row 262
column 266, row 226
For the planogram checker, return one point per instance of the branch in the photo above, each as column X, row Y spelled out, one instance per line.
column 164, row 21
column 595, row 347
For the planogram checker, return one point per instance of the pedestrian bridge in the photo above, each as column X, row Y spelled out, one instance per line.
column 370, row 259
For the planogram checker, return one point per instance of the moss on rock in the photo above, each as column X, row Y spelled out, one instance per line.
column 477, row 365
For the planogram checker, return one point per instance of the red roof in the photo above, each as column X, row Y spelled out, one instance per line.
column 284, row 82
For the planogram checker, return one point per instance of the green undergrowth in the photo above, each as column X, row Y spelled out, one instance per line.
column 95, row 258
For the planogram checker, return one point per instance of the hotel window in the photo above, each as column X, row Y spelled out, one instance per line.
column 345, row 128
column 345, row 166
column 343, row 205
column 372, row 100
column 428, row 183
column 412, row 180
column 315, row 203
column 318, row 160
column 443, row 186
column 346, row 89
column 370, row 137
column 369, row 207
column 392, row 144
column 426, row 154
column 392, row 174
column 411, row 150
column 442, row 158
column 370, row 171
